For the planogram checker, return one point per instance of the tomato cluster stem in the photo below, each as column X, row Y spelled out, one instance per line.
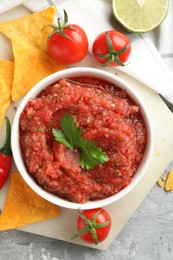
column 60, row 28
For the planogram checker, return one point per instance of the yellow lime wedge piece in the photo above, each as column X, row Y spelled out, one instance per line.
column 140, row 15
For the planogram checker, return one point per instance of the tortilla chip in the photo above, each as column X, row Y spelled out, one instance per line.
column 6, row 79
column 31, row 27
column 3, row 110
column 160, row 183
column 169, row 181
column 31, row 65
column 23, row 206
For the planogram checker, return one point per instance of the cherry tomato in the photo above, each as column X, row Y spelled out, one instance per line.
column 111, row 48
column 68, row 43
column 93, row 225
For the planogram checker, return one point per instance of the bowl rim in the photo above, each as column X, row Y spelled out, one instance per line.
column 97, row 73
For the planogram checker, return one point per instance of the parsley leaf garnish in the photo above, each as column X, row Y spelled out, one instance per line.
column 71, row 137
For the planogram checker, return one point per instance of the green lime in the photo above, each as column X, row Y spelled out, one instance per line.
column 140, row 15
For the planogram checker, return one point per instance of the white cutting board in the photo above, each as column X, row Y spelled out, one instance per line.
column 63, row 227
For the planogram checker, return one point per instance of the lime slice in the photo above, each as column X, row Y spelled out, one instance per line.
column 140, row 15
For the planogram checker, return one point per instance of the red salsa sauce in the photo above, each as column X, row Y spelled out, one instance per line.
column 106, row 115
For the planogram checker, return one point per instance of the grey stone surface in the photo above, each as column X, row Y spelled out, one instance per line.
column 147, row 236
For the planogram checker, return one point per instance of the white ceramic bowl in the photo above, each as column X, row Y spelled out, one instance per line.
column 73, row 72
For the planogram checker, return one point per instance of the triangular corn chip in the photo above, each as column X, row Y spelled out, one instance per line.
column 23, row 206
column 31, row 27
column 31, row 65
column 3, row 110
column 169, row 181
column 6, row 79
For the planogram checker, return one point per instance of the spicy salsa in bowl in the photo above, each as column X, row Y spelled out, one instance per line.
column 82, row 138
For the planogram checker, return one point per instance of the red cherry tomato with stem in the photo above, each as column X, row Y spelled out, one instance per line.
column 111, row 48
column 68, row 43
column 93, row 225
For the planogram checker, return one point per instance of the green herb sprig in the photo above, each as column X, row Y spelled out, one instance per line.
column 71, row 136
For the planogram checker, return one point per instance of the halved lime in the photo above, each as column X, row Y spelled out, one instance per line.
column 140, row 15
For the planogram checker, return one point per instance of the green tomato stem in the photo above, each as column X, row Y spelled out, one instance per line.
column 60, row 28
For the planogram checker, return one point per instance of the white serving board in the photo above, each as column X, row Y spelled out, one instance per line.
column 63, row 227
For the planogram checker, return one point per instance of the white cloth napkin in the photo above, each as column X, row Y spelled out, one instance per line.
column 146, row 63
